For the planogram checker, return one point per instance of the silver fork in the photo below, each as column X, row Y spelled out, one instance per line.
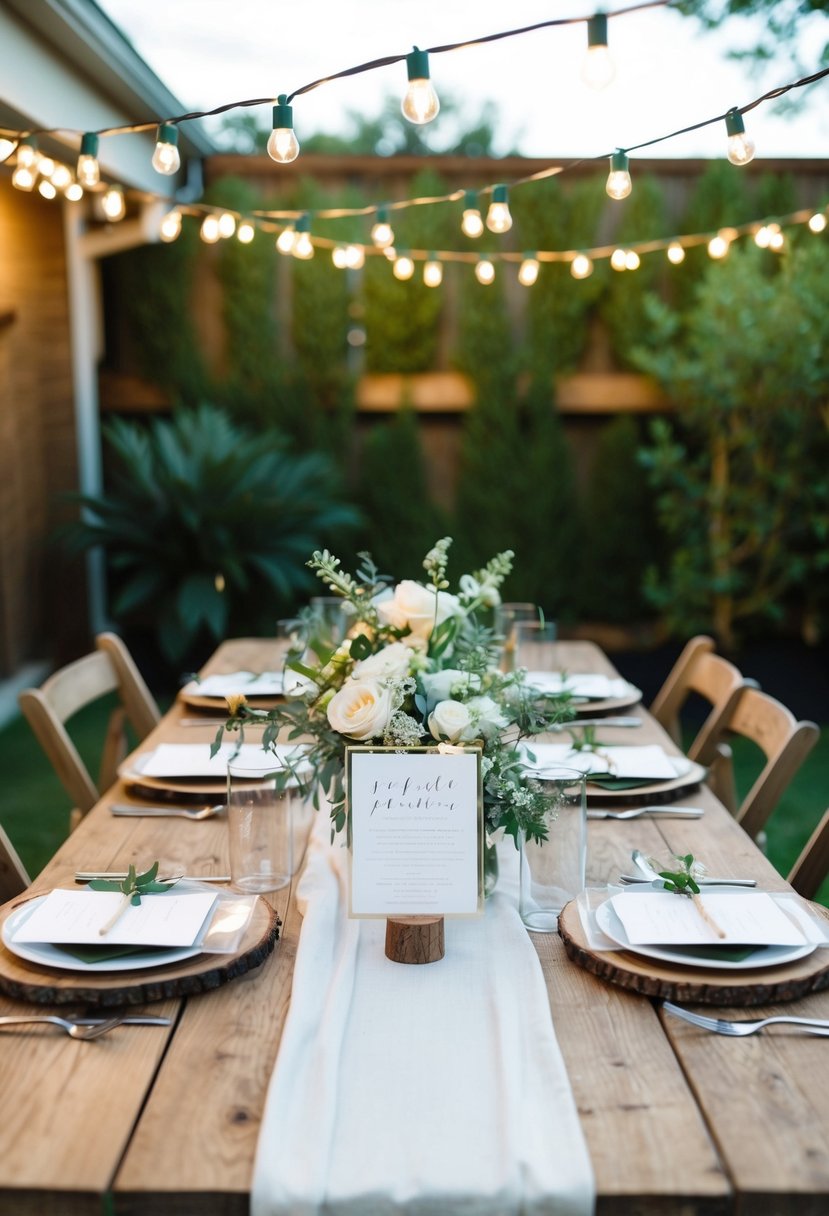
column 740, row 1029
column 73, row 1029
column 681, row 812
column 170, row 812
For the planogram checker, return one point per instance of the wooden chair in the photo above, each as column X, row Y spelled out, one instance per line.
column 698, row 670
column 783, row 740
column 812, row 866
column 13, row 877
column 109, row 669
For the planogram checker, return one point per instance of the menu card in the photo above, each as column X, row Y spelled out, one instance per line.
column 76, row 918
column 234, row 683
column 661, row 918
column 648, row 761
column 416, row 820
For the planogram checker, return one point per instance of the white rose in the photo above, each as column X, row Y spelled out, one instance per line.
column 416, row 607
column 361, row 709
column 487, row 716
column 439, row 685
column 392, row 661
column 449, row 720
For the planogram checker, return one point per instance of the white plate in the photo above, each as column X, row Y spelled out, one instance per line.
column 51, row 956
column 765, row 956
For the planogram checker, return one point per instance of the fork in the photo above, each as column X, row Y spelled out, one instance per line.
column 173, row 812
column 740, row 1029
column 73, row 1029
column 683, row 812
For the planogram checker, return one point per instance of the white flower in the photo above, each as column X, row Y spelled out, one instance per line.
column 361, row 709
column 443, row 685
column 487, row 716
column 484, row 592
column 392, row 662
column 415, row 607
column 449, row 720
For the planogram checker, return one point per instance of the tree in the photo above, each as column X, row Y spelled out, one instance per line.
column 782, row 22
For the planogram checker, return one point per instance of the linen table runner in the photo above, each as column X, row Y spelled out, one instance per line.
column 421, row 1089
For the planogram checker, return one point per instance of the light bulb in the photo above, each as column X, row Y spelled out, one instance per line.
column 209, row 231
column 166, row 157
column 283, row 145
column 740, row 146
column 471, row 224
column 302, row 247
column 403, row 267
column 170, row 226
column 45, row 166
column 433, row 273
column 73, row 192
column 675, row 253
column 718, row 246
column 46, row 188
column 89, row 171
column 632, row 261
column 27, row 154
column 618, row 260
column 390, row 253
column 113, row 204
column 381, row 231
column 598, row 68
column 498, row 218
column 618, row 179
column 355, row 257
column 227, row 225
column 528, row 271
column 420, row 102
column 285, row 240
column 581, row 266
column 484, row 271
column 246, row 232
column 777, row 239
column 23, row 178
column 817, row 222
column 61, row 177
column 762, row 237
column 339, row 257
column 7, row 146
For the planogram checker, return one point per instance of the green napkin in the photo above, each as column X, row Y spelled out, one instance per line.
column 105, row 954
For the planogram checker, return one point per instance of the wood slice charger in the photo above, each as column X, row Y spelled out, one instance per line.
column 50, row 986
column 704, row 986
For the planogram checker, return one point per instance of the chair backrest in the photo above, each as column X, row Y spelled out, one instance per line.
column 812, row 866
column 783, row 740
column 699, row 670
column 13, row 877
column 109, row 669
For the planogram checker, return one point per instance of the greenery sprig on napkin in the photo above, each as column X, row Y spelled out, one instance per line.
column 132, row 888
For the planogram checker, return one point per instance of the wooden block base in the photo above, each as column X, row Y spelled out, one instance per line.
column 415, row 939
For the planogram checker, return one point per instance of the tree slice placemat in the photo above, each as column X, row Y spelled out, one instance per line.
column 697, row 984
column 42, row 985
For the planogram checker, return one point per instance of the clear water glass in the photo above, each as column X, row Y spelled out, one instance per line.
column 553, row 872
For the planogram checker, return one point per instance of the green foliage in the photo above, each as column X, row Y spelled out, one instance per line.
column 776, row 25
column 642, row 218
column 742, row 476
column 207, row 526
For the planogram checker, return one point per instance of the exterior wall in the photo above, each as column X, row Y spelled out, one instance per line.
column 42, row 610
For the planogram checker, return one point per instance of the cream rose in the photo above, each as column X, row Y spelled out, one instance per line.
column 449, row 720
column 416, row 607
column 361, row 709
column 392, row 662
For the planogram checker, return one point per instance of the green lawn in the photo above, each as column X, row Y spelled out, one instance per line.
column 35, row 811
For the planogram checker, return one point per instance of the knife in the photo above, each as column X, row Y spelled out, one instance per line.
column 118, row 875
column 579, row 722
column 629, row 879
column 132, row 1021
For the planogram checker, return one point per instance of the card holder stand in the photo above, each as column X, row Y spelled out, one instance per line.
column 415, row 939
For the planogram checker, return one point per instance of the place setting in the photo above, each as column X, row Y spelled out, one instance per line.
column 192, row 772
column 210, row 692
column 619, row 773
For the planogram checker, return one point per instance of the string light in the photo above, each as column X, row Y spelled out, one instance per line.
column 471, row 224
column 581, row 266
column 209, row 231
column 227, row 225
column 389, row 253
column 817, row 222
column 403, row 267
column 166, row 157
column 23, row 178
column 484, row 271
column 617, row 259
column 381, row 230
column 302, row 247
column 355, row 257
column 283, row 145
column 46, row 188
column 740, row 146
column 598, row 68
column 675, row 253
column 432, row 272
column 632, row 261
column 420, row 102
column 618, row 179
column 88, row 169
column 170, row 227
column 113, row 203
column 719, row 245
column 27, row 154
column 498, row 217
column 73, row 192
column 7, row 146
column 61, row 177
column 528, row 270
column 245, row 232
column 339, row 257
column 285, row 240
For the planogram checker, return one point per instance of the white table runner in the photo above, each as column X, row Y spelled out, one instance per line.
column 436, row 1089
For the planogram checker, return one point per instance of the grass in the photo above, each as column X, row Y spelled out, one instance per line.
column 34, row 809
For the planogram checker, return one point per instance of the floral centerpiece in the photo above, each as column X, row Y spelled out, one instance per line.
column 418, row 666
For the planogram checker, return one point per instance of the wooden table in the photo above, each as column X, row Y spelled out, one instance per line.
column 158, row 1121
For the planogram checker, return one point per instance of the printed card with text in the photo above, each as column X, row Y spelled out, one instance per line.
column 416, row 823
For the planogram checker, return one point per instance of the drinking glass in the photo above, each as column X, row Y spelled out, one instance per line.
column 535, row 645
column 260, row 825
column 329, row 619
column 507, row 617
column 552, row 873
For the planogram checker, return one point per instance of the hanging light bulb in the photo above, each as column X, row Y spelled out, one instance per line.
column 381, row 229
column 302, row 247
column 675, row 253
column 89, row 171
column 73, row 192
column 46, row 166
column 618, row 259
column 209, row 231
column 777, row 239
column 762, row 237
column 170, row 227
column 598, row 68
column 23, row 178
column 618, row 179
column 46, row 188
column 740, row 146
column 227, row 225
column 632, row 261
column 581, row 266
column 166, row 157
column 718, row 246
column 113, row 203
column 484, row 271
column 61, row 177
column 432, row 272
column 471, row 224
column 283, row 145
column 817, row 222
column 498, row 218
column 420, row 102
column 390, row 253
column 355, row 257
column 403, row 267
column 339, row 256
column 528, row 270
column 285, row 240
column 7, row 146
column 246, row 232
column 27, row 157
